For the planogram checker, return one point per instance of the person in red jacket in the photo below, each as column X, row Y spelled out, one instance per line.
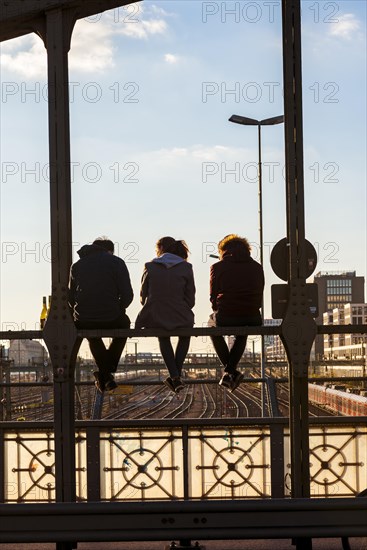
column 236, row 290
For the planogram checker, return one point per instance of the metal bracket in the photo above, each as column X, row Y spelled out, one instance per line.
column 298, row 328
column 183, row 546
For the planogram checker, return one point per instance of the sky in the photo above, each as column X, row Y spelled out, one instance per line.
column 152, row 86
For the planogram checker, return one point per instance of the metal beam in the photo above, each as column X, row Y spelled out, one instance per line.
column 298, row 326
column 195, row 332
column 214, row 520
column 18, row 17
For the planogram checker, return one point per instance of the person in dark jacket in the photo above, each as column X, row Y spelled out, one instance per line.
column 168, row 296
column 99, row 293
column 236, row 290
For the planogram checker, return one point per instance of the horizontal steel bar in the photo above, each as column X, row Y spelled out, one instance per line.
column 196, row 331
column 189, row 381
column 278, row 518
column 148, row 423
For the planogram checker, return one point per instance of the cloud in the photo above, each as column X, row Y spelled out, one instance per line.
column 92, row 48
column 160, row 11
column 171, row 59
column 26, row 56
column 143, row 29
column 346, row 26
column 185, row 158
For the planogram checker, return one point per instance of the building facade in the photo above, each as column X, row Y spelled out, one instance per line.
column 346, row 346
column 27, row 352
column 335, row 289
column 274, row 348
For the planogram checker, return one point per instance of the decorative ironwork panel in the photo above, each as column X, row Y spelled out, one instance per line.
column 170, row 463
column 141, row 465
column 232, row 464
column 338, row 461
column 29, row 466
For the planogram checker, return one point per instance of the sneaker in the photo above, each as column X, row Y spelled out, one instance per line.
column 174, row 384
column 104, row 382
column 237, row 378
column 110, row 383
column 177, row 384
column 226, row 381
column 168, row 382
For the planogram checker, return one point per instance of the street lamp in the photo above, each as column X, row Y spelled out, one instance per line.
column 245, row 121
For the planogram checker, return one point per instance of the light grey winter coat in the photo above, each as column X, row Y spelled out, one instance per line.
column 167, row 293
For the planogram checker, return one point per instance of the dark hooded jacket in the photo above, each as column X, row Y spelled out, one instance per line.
column 236, row 284
column 167, row 293
column 100, row 288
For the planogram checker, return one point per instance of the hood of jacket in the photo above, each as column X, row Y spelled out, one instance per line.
column 89, row 249
column 168, row 260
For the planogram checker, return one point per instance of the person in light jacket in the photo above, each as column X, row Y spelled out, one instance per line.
column 236, row 290
column 168, row 296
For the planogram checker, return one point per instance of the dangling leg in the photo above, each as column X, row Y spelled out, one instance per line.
column 114, row 352
column 117, row 345
column 221, row 349
column 168, row 356
column 181, row 352
column 235, row 355
column 104, row 378
column 173, row 381
column 236, row 351
column 99, row 352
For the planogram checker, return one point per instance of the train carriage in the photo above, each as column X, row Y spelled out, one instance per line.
column 340, row 402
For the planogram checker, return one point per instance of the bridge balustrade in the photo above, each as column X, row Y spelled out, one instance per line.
column 167, row 460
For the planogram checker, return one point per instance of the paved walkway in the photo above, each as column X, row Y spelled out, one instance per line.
column 317, row 544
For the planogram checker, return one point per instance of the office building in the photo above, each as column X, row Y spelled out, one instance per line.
column 346, row 346
column 336, row 289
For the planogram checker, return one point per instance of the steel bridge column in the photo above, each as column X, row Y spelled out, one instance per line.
column 59, row 333
column 298, row 327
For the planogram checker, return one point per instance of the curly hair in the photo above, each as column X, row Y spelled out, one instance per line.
column 232, row 240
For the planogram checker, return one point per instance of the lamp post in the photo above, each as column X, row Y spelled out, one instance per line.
column 245, row 121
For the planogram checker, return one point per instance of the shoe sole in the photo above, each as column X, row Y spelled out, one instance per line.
column 168, row 385
column 102, row 387
column 224, row 384
column 237, row 383
column 172, row 388
column 109, row 388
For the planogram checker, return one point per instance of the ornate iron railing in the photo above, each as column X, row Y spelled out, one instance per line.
column 184, row 460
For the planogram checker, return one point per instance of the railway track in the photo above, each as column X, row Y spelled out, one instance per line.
column 199, row 400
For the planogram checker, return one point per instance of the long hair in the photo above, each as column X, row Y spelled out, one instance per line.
column 169, row 244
